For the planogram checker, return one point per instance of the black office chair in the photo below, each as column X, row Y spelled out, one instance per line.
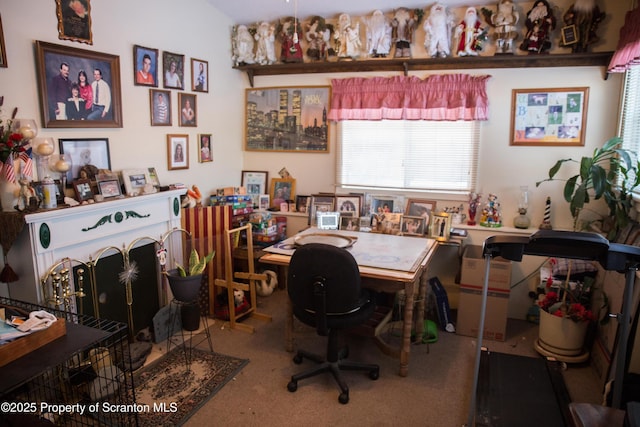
column 324, row 287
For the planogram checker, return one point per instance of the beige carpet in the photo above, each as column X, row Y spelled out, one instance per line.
column 436, row 392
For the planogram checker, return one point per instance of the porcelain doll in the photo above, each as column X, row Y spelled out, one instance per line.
column 348, row 37
column 266, row 37
column 504, row 21
column 242, row 46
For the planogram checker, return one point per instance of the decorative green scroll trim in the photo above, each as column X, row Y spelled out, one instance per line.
column 176, row 206
column 118, row 216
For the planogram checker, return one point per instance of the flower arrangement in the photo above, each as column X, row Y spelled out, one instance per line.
column 12, row 143
column 556, row 306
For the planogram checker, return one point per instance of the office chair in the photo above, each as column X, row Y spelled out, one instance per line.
column 325, row 292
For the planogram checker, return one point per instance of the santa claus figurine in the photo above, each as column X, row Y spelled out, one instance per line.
column 470, row 34
column 437, row 28
column 504, row 21
column 540, row 22
column 378, row 35
column 585, row 15
column 404, row 25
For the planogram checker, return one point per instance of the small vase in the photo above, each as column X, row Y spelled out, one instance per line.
column 9, row 192
column 560, row 335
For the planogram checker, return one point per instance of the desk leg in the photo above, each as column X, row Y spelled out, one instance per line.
column 422, row 302
column 406, row 330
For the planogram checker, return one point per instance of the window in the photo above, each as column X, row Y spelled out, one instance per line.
column 416, row 155
column 630, row 120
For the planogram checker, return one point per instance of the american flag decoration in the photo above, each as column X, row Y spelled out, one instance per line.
column 7, row 171
column 27, row 167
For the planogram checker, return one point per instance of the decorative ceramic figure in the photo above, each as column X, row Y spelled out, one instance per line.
column 540, row 22
column 348, row 37
column 470, row 34
column 242, row 46
column 289, row 32
column 491, row 214
column 266, row 37
column 378, row 35
column 404, row 25
column 585, row 15
column 437, row 28
column 318, row 35
column 504, row 21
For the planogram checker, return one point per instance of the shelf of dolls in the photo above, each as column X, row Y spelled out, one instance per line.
column 415, row 64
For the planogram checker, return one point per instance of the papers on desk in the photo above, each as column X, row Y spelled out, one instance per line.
column 16, row 327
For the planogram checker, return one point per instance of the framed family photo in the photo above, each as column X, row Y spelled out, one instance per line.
column 549, row 117
column 74, row 20
column 67, row 75
column 413, row 225
column 205, row 153
column 178, row 152
column 87, row 156
column 160, row 106
column 421, row 208
column 145, row 71
column 199, row 75
column 173, row 67
column 348, row 204
column 282, row 191
column 304, row 127
column 82, row 189
column 188, row 112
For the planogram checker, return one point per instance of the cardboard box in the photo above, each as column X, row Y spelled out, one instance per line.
column 470, row 301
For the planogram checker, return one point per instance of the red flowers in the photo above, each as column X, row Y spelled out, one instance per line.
column 563, row 308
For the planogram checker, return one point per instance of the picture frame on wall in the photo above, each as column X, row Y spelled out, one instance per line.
column 173, row 69
column 87, row 156
column 74, row 20
column 549, row 117
column 3, row 49
column 205, row 151
column 304, row 129
column 145, row 71
column 188, row 110
column 178, row 151
column 160, row 107
column 199, row 75
column 59, row 65
column 282, row 191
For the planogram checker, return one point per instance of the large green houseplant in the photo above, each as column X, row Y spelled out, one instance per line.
column 611, row 173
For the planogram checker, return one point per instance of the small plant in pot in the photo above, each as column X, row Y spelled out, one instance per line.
column 185, row 282
column 611, row 173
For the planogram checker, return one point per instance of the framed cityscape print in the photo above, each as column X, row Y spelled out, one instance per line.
column 549, row 117
column 292, row 119
column 145, row 71
column 57, row 67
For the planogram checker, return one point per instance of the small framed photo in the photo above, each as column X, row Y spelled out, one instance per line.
column 199, row 75
column 255, row 184
column 145, row 72
column 440, row 226
column 421, row 208
column 320, row 203
column 413, row 225
column 263, row 202
column 382, row 204
column 391, row 223
column 178, row 152
column 328, row 220
column 204, row 152
column 302, row 203
column 160, row 105
column 82, row 188
column 135, row 180
column 74, row 20
column 173, row 66
column 187, row 104
column 349, row 204
column 350, row 223
column 109, row 188
column 153, row 177
column 282, row 190
column 569, row 35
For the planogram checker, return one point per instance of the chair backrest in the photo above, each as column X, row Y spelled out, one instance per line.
column 316, row 268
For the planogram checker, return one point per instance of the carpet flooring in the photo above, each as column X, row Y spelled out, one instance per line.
column 174, row 393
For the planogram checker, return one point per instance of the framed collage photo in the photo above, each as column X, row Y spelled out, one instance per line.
column 304, row 129
column 87, row 157
column 255, row 184
column 62, row 105
column 188, row 111
column 549, row 117
column 199, row 75
column 178, row 152
column 145, row 71
column 160, row 102
column 173, row 68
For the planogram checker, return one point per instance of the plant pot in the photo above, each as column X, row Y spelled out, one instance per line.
column 560, row 335
column 190, row 316
column 184, row 289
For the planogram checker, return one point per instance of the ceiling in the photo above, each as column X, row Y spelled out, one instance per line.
column 250, row 11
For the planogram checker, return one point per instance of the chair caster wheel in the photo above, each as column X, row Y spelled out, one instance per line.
column 297, row 359
column 343, row 398
column 293, row 386
column 374, row 375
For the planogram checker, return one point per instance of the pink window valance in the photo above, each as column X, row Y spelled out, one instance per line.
column 439, row 97
column 628, row 52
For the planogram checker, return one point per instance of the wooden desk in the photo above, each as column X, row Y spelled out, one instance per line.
column 387, row 264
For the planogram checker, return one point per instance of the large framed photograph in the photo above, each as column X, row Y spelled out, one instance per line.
column 88, row 156
column 282, row 191
column 549, row 117
column 160, row 102
column 255, row 184
column 421, row 208
column 3, row 49
column 173, row 66
column 178, row 152
column 199, row 75
column 188, row 112
column 58, row 67
column 300, row 126
column 145, row 71
column 74, row 20
column 135, row 180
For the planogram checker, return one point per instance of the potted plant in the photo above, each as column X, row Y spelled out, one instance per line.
column 185, row 282
column 610, row 173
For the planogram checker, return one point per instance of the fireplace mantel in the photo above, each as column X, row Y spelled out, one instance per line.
column 81, row 232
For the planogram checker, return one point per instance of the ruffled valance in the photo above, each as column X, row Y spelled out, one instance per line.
column 627, row 53
column 446, row 97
